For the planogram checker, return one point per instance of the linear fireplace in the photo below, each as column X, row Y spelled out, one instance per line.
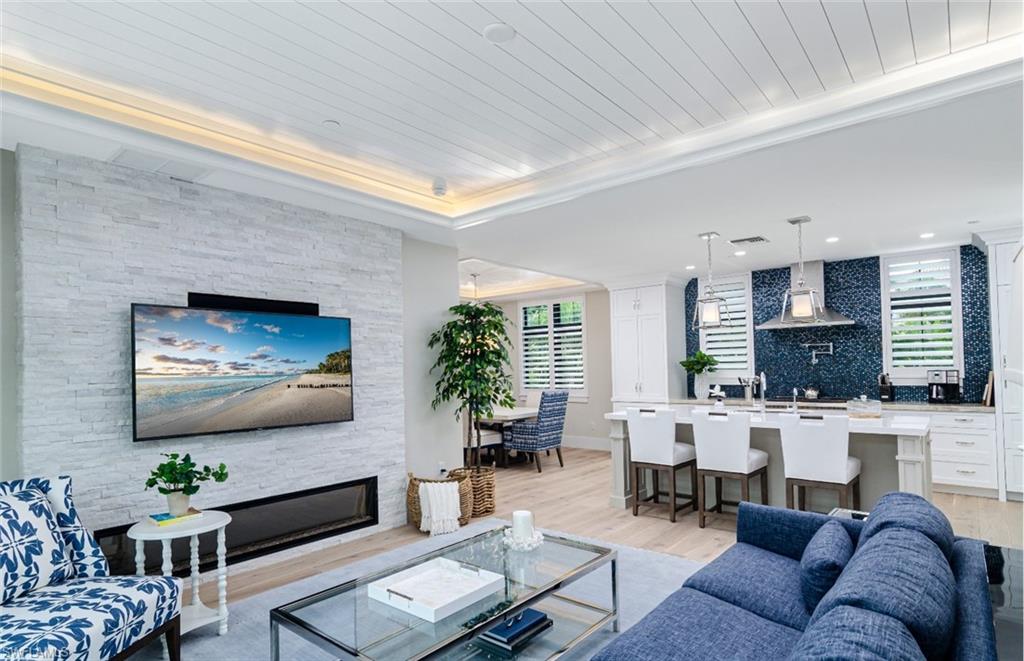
column 259, row 527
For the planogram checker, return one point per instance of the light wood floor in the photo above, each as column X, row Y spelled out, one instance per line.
column 574, row 500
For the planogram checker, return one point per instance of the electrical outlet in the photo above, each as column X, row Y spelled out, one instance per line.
column 442, row 468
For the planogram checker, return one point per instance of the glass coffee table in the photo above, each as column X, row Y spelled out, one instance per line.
column 344, row 620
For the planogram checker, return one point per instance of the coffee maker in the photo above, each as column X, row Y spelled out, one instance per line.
column 943, row 386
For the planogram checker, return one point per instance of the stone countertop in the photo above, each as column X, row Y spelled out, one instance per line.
column 918, row 407
column 887, row 426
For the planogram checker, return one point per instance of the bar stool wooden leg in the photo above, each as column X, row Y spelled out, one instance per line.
column 745, row 488
column 635, row 472
column 654, row 481
column 856, row 493
column 672, row 495
column 718, row 494
column 789, row 494
column 700, row 499
column 844, row 496
column 801, row 498
column 764, row 486
column 693, row 486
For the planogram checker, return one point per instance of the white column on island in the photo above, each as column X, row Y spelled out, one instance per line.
column 914, row 459
column 620, row 495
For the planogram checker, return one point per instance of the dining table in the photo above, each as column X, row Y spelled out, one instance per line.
column 506, row 416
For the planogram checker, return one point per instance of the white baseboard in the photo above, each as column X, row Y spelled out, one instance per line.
column 588, row 442
column 966, row 491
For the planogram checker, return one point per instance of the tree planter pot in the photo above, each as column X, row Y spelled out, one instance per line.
column 483, row 482
column 178, row 503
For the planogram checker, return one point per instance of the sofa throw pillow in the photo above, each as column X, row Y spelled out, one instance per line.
column 909, row 511
column 32, row 553
column 823, row 561
column 83, row 549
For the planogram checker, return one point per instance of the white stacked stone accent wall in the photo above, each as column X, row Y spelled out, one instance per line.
column 93, row 237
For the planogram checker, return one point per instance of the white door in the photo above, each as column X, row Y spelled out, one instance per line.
column 625, row 358
column 653, row 382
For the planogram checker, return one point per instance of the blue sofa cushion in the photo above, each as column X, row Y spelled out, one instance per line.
column 906, row 510
column 87, row 619
column 902, row 574
column 32, row 553
column 83, row 549
column 975, row 636
column 846, row 632
column 692, row 625
column 823, row 560
column 783, row 531
column 762, row 582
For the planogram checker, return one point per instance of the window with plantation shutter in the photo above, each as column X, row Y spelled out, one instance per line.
column 921, row 314
column 732, row 344
column 552, row 345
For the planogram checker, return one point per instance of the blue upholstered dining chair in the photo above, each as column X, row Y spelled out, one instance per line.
column 544, row 433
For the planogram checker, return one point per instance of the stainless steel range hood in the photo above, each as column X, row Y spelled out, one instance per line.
column 814, row 276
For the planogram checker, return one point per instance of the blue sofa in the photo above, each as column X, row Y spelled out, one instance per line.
column 907, row 590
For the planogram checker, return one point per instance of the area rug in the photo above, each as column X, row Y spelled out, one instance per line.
column 645, row 579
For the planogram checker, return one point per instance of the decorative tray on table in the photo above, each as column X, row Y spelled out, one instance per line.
column 434, row 590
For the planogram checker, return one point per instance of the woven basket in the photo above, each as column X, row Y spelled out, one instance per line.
column 482, row 480
column 412, row 498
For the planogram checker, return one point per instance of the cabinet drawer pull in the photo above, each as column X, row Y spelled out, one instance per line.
column 964, row 419
column 964, row 471
column 965, row 442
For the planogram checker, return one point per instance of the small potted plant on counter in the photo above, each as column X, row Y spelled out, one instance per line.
column 476, row 373
column 700, row 365
column 178, row 478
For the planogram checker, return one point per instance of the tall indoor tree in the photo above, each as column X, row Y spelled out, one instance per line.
column 474, row 365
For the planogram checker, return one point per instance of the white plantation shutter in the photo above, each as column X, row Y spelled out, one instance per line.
column 731, row 344
column 922, row 315
column 552, row 345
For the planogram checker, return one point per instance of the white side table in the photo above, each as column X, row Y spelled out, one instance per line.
column 195, row 614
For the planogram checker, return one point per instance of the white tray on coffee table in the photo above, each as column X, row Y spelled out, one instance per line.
column 435, row 589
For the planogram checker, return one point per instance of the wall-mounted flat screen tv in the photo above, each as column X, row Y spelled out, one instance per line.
column 206, row 371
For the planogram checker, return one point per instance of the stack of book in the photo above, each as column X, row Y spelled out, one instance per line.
column 165, row 518
column 514, row 633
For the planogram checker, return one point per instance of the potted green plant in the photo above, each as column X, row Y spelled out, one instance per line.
column 476, row 373
column 700, row 365
column 179, row 480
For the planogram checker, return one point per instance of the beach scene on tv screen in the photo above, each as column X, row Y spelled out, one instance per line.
column 209, row 371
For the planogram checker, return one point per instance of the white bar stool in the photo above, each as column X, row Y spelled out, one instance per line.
column 652, row 445
column 816, row 455
column 723, row 448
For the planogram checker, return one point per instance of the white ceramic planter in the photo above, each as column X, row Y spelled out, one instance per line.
column 177, row 503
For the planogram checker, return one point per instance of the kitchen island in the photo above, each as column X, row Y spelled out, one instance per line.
column 895, row 454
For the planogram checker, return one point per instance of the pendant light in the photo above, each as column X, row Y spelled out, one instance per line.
column 801, row 304
column 711, row 310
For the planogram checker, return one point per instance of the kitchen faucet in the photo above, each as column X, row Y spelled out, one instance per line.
column 796, row 393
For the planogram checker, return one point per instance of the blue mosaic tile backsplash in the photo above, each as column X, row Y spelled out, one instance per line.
column 852, row 288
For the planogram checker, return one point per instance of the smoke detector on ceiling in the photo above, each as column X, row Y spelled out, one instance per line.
column 499, row 33
column 440, row 187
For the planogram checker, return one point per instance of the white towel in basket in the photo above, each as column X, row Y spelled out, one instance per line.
column 439, row 505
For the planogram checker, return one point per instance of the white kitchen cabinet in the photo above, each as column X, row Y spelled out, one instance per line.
column 964, row 451
column 1013, row 436
column 648, row 340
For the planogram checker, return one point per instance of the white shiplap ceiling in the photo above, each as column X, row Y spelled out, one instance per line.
column 418, row 93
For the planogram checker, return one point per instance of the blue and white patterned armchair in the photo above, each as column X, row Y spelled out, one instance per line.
column 58, row 600
column 544, row 433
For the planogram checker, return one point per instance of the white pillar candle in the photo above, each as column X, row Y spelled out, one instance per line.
column 522, row 525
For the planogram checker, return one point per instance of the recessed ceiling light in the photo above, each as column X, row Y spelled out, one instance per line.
column 832, row 239
column 740, row 253
column 690, row 267
column 331, row 123
column 928, row 235
column 499, row 33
